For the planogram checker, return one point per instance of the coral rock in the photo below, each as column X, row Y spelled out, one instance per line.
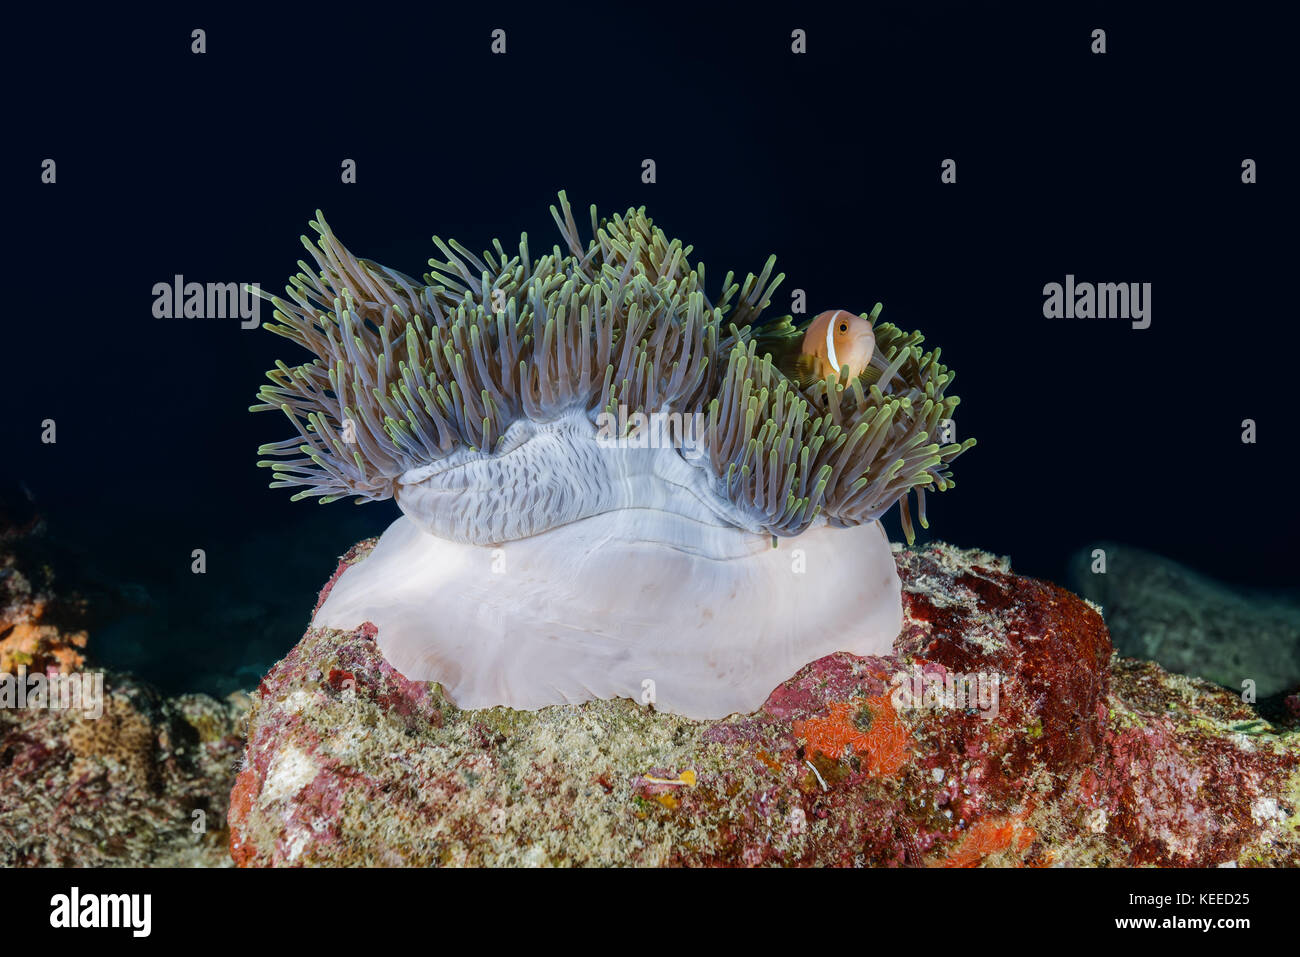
column 145, row 783
column 126, row 778
column 27, row 637
column 1000, row 731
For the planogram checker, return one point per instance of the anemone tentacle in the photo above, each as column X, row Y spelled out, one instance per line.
column 407, row 373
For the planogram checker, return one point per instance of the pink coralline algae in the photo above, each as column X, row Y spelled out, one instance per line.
column 1001, row 731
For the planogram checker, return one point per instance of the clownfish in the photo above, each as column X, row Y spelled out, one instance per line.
column 834, row 339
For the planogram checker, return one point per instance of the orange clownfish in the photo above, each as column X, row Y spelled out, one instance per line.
column 834, row 339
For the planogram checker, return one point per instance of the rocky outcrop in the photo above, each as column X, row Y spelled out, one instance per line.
column 1001, row 731
column 1162, row 611
column 141, row 780
column 96, row 768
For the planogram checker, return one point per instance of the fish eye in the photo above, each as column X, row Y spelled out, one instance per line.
column 844, row 327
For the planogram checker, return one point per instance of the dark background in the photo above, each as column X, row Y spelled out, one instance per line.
column 1123, row 167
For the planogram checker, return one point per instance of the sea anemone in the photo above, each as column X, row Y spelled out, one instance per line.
column 566, row 534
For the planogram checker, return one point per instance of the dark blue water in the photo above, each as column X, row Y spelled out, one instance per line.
column 1123, row 167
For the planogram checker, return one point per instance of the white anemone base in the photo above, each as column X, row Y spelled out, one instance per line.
column 637, row 602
